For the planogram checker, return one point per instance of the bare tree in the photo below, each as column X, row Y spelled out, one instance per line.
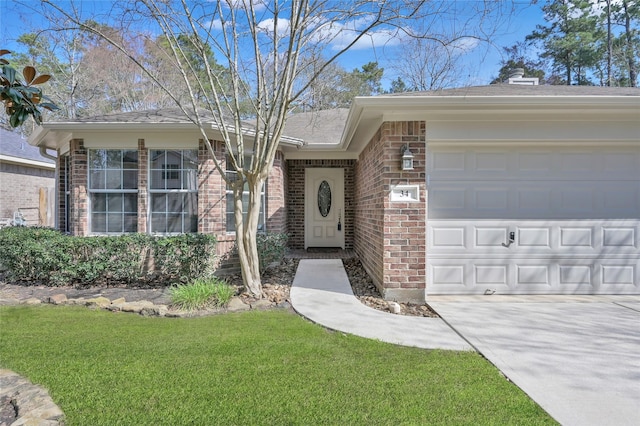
column 429, row 64
column 265, row 45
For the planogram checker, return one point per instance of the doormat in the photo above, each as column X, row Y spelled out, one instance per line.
column 324, row 250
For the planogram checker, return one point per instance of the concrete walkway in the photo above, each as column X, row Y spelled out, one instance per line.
column 322, row 293
column 576, row 356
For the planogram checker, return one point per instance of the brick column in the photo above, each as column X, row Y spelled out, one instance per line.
column 275, row 208
column 390, row 237
column 78, row 223
column 143, row 191
column 211, row 190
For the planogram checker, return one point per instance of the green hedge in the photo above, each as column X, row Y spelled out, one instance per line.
column 46, row 256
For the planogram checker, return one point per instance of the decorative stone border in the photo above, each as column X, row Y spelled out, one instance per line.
column 23, row 403
column 145, row 307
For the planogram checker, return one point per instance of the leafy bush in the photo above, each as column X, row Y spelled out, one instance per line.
column 271, row 248
column 202, row 293
column 49, row 257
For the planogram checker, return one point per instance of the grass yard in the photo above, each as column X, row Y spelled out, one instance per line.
column 269, row 367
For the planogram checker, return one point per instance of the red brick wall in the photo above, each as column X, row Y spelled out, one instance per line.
column 20, row 189
column 276, row 214
column 295, row 202
column 211, row 190
column 78, row 185
column 390, row 237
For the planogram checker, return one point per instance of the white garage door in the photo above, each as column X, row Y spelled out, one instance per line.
column 532, row 220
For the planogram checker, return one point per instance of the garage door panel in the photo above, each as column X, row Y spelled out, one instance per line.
column 534, row 200
column 595, row 163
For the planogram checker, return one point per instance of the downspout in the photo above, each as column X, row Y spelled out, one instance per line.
column 56, row 189
column 45, row 154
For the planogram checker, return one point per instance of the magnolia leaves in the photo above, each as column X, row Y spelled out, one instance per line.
column 21, row 98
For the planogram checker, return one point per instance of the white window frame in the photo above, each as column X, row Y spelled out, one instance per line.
column 122, row 191
column 165, row 172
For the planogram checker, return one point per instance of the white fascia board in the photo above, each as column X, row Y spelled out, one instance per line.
column 26, row 162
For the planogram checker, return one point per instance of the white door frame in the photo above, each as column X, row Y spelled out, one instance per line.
column 329, row 230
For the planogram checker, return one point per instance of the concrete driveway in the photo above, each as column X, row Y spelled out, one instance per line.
column 578, row 357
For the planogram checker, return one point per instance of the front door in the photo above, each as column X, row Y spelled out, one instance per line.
column 324, row 207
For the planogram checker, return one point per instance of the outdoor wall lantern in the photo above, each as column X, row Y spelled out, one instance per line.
column 407, row 158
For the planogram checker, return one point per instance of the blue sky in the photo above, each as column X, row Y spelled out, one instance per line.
column 480, row 63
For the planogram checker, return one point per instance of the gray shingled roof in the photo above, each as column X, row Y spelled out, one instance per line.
column 318, row 127
column 165, row 115
column 14, row 145
column 525, row 90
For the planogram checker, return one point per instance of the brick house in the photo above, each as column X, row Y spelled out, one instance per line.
column 27, row 180
column 508, row 188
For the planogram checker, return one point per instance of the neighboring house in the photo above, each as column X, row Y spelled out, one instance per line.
column 513, row 189
column 27, row 182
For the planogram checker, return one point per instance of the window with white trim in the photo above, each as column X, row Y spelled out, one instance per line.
column 231, row 222
column 113, row 191
column 173, row 190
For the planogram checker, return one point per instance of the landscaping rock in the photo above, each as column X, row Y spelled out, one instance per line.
column 78, row 301
column 58, row 299
column 236, row 304
column 394, row 307
column 118, row 301
column 136, row 307
column 9, row 301
column 100, row 302
column 261, row 304
column 31, row 301
column 154, row 311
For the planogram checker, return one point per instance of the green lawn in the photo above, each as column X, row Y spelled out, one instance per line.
column 272, row 368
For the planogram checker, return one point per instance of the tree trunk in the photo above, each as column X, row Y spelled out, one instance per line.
column 633, row 72
column 246, row 230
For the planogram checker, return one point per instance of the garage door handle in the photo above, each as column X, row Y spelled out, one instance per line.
column 512, row 239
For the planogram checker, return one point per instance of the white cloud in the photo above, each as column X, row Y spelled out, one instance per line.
column 269, row 26
column 464, row 44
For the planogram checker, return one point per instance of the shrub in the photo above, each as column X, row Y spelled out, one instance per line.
column 200, row 294
column 271, row 248
column 49, row 257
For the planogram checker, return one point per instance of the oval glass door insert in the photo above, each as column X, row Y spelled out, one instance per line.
column 324, row 198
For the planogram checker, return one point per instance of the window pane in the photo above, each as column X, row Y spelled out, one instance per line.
column 97, row 159
column 158, row 223
column 98, row 222
column 158, row 203
column 96, row 179
column 231, row 223
column 157, row 159
column 190, row 180
column 114, row 159
column 156, row 180
column 114, row 222
column 130, row 223
column 114, row 179
column 130, row 203
column 191, row 203
column 130, row 159
column 99, row 202
column 130, row 179
column 174, row 223
column 174, row 203
column 114, row 202
column 171, row 176
column 190, row 159
column 193, row 223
